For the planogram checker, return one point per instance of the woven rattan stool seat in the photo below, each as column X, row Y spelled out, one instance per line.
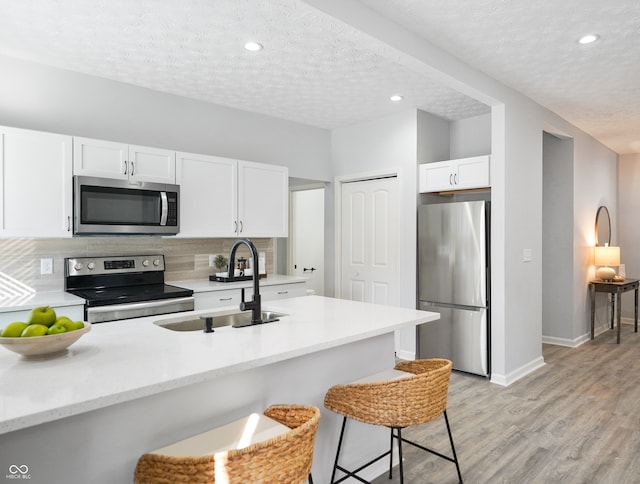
column 284, row 457
column 414, row 393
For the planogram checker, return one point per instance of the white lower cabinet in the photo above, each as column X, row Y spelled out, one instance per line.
column 231, row 297
column 283, row 291
column 35, row 183
column 216, row 299
column 221, row 197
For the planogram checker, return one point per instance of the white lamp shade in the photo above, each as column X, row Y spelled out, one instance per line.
column 607, row 256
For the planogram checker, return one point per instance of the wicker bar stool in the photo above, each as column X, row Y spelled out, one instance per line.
column 283, row 458
column 413, row 393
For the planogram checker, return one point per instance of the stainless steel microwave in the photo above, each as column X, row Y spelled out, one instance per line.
column 107, row 206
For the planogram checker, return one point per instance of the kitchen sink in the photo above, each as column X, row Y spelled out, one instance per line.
column 237, row 320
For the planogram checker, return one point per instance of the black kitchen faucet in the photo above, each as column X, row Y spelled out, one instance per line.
column 254, row 305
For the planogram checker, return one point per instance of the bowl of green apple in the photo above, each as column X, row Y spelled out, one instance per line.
column 44, row 333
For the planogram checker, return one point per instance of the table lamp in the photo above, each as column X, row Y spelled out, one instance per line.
column 606, row 256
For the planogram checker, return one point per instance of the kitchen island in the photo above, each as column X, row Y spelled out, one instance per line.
column 131, row 386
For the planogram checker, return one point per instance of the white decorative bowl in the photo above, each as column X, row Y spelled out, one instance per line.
column 38, row 346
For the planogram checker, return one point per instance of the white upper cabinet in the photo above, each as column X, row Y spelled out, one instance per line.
column 35, row 184
column 263, row 200
column 460, row 174
column 109, row 159
column 221, row 197
column 208, row 194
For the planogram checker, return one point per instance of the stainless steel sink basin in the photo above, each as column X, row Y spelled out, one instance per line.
column 237, row 320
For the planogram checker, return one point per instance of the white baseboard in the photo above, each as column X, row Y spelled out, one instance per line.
column 406, row 355
column 524, row 370
column 574, row 343
column 570, row 343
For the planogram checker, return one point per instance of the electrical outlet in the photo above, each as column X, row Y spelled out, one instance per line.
column 46, row 266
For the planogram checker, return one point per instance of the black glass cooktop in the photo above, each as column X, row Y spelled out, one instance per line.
column 129, row 294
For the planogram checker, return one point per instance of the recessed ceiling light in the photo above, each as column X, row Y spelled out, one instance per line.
column 253, row 46
column 396, row 98
column 588, row 39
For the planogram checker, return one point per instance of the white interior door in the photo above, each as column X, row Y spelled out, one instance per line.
column 369, row 246
column 307, row 237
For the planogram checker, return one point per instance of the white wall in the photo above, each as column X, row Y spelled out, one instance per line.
column 387, row 144
column 629, row 217
column 557, row 240
column 38, row 97
column 471, row 137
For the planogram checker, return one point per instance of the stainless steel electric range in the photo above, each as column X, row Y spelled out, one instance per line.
column 122, row 287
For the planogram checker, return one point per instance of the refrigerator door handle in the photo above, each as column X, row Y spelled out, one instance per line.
column 436, row 304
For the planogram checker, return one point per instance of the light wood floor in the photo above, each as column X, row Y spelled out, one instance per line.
column 576, row 420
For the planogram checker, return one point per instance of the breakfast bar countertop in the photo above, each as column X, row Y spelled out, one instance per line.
column 125, row 360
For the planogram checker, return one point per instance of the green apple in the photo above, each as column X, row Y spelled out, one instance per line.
column 78, row 325
column 66, row 323
column 42, row 315
column 56, row 328
column 35, row 330
column 13, row 330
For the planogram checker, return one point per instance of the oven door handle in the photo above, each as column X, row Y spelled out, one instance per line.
column 165, row 208
column 141, row 305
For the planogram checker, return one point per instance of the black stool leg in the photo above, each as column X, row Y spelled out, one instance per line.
column 310, row 479
column 400, row 456
column 335, row 464
column 453, row 449
column 391, row 456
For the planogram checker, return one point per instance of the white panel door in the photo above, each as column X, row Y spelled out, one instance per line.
column 369, row 246
column 307, row 237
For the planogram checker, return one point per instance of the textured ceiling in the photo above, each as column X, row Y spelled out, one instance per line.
column 320, row 71
column 313, row 70
column 532, row 47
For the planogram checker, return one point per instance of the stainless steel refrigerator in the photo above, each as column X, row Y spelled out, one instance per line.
column 453, row 279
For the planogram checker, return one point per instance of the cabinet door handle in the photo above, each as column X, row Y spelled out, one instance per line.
column 132, row 166
column 455, row 178
column 226, row 298
column 68, row 223
column 450, row 178
column 241, row 226
column 235, row 225
column 283, row 292
column 125, row 167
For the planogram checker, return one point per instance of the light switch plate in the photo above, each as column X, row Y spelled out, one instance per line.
column 527, row 255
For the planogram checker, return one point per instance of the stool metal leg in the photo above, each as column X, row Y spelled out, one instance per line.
column 335, row 464
column 453, row 449
column 400, row 455
column 310, row 479
column 391, row 456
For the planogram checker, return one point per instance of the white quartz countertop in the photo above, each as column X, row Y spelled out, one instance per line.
column 123, row 360
column 20, row 302
column 205, row 285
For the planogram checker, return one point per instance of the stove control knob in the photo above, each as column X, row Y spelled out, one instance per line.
column 156, row 262
column 145, row 263
column 91, row 266
column 78, row 266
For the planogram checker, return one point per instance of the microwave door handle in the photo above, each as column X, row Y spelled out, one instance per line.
column 165, row 208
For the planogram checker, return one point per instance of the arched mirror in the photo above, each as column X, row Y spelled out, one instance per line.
column 603, row 226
